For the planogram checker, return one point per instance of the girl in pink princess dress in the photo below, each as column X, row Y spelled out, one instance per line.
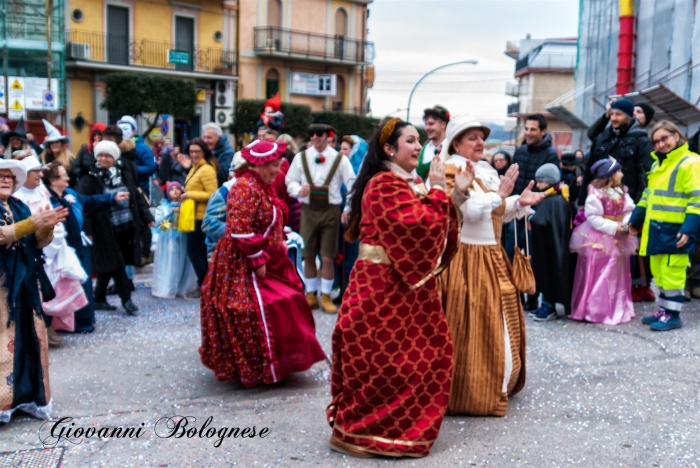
column 603, row 283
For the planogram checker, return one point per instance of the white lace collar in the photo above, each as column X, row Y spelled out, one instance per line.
column 396, row 169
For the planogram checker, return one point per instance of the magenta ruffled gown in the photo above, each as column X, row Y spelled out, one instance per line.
column 602, row 290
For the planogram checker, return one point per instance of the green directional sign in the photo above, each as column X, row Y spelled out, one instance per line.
column 178, row 57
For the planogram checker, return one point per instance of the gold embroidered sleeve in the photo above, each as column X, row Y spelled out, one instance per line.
column 24, row 228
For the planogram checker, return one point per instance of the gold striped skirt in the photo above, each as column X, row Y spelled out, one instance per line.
column 487, row 327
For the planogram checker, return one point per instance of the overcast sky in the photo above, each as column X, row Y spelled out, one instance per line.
column 411, row 37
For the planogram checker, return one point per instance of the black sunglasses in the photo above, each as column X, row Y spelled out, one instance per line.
column 318, row 133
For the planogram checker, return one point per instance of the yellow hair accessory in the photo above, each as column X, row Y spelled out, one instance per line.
column 387, row 130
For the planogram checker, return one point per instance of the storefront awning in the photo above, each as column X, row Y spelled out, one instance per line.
column 566, row 116
column 667, row 104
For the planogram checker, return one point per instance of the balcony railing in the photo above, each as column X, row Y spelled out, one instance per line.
column 338, row 107
column 122, row 50
column 513, row 108
column 275, row 41
column 546, row 61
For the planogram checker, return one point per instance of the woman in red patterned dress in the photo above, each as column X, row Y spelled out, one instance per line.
column 392, row 354
column 256, row 323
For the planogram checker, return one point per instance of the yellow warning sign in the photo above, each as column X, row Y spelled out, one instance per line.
column 16, row 86
column 16, row 106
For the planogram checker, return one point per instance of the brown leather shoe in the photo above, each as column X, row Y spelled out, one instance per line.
column 327, row 304
column 312, row 299
column 55, row 339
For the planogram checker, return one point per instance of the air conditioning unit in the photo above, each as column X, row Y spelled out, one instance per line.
column 223, row 117
column 80, row 51
column 223, row 97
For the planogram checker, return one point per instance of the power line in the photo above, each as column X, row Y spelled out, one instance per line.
column 411, row 83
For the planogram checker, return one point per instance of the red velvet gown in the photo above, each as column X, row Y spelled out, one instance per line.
column 392, row 353
column 255, row 329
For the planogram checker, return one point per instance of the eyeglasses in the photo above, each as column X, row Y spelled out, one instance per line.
column 4, row 177
column 318, row 133
column 661, row 140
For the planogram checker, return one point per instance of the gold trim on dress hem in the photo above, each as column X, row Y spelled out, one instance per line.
column 374, row 254
column 384, row 440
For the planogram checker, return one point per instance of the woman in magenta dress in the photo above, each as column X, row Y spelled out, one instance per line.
column 256, row 323
column 603, row 282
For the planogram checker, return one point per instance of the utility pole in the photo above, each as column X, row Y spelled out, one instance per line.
column 4, row 55
column 49, row 60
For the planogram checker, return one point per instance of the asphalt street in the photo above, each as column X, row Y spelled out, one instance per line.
column 596, row 396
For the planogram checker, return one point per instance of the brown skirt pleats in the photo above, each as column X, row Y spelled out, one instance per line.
column 477, row 296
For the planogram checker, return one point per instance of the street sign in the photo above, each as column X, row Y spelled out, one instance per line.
column 2, row 96
column 201, row 95
column 16, row 109
column 312, row 84
column 15, row 97
column 178, row 57
column 34, row 89
column 49, row 102
column 164, row 128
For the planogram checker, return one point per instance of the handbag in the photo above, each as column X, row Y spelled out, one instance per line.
column 522, row 276
column 185, row 222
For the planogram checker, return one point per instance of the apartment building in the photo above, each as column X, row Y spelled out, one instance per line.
column 544, row 72
column 312, row 52
column 192, row 39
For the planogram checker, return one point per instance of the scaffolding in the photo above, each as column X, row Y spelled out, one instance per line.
column 667, row 52
column 25, row 44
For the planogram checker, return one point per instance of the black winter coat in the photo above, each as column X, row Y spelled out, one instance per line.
column 105, row 253
column 550, row 249
column 632, row 148
column 82, row 164
column 530, row 158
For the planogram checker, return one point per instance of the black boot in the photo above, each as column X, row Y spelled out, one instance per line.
column 104, row 306
column 130, row 308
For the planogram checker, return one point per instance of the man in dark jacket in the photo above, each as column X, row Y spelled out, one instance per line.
column 219, row 145
column 533, row 154
column 626, row 141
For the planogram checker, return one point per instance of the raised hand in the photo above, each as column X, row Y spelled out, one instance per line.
column 464, row 178
column 508, row 181
column 48, row 218
column 529, row 198
column 436, row 176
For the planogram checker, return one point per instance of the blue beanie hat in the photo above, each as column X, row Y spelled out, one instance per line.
column 605, row 168
column 625, row 106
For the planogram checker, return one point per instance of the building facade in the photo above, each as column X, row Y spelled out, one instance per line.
column 27, row 37
column 666, row 47
column 193, row 39
column 544, row 71
column 312, row 52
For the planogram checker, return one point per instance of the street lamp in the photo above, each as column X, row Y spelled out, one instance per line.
column 408, row 110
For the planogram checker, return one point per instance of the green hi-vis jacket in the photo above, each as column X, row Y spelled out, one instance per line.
column 671, row 204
